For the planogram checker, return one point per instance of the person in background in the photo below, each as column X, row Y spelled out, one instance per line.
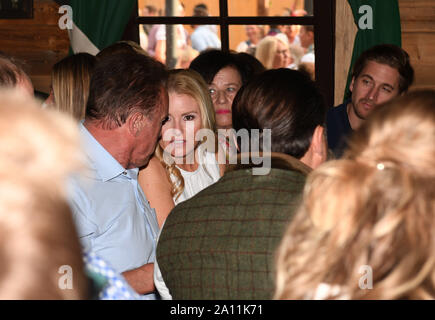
column 292, row 33
column 12, row 75
column 203, row 37
column 70, row 79
column 366, row 226
column 184, row 163
column 144, row 31
column 157, row 37
column 186, row 57
column 220, row 244
column 274, row 29
column 306, row 36
column 380, row 74
column 296, row 54
column 254, row 33
column 273, row 52
column 225, row 73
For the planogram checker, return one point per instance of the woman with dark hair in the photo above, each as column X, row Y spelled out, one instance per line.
column 225, row 73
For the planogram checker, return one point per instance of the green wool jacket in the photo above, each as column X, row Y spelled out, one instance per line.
column 221, row 243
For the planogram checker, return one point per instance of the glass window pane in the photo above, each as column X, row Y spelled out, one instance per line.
column 187, row 42
column 289, row 46
column 185, row 8
column 270, row 8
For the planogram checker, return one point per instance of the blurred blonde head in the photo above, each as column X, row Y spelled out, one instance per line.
column 375, row 208
column 70, row 80
column 273, row 52
column 38, row 149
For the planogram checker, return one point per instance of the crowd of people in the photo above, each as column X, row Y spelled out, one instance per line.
column 228, row 179
column 275, row 46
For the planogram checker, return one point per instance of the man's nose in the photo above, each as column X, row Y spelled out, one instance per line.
column 373, row 94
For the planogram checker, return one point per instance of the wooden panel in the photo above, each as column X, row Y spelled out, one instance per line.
column 345, row 31
column 418, row 39
column 39, row 42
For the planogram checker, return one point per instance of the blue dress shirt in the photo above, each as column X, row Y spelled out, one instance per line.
column 112, row 214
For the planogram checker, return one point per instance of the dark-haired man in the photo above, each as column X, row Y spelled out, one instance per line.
column 127, row 106
column 380, row 74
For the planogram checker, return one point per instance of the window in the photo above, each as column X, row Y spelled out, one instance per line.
column 229, row 19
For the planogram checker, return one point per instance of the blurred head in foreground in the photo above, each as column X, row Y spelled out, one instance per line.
column 38, row 149
column 366, row 227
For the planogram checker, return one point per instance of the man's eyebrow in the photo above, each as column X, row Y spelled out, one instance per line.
column 371, row 78
column 367, row 76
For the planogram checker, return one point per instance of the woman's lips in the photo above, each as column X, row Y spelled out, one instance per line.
column 223, row 111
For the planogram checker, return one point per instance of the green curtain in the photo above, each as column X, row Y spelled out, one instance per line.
column 386, row 29
column 98, row 24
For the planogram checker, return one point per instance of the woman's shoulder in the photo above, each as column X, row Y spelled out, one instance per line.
column 154, row 170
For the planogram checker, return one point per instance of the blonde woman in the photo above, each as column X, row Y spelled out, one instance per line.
column 273, row 52
column 70, row 80
column 366, row 228
column 185, row 161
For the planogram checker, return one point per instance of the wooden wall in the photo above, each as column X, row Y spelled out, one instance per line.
column 418, row 39
column 39, row 42
column 345, row 31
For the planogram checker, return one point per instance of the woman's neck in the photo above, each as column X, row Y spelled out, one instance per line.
column 190, row 162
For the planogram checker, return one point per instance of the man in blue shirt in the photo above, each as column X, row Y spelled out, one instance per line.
column 380, row 74
column 127, row 106
column 203, row 37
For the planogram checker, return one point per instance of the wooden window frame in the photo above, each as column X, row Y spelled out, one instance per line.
column 323, row 20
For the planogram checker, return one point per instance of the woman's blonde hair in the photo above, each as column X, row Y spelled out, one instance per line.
column 71, row 78
column 266, row 50
column 190, row 83
column 373, row 211
column 38, row 150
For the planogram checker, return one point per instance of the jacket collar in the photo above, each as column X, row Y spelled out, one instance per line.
column 278, row 161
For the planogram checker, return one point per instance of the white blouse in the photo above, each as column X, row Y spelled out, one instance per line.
column 195, row 181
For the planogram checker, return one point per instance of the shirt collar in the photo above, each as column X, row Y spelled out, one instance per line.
column 278, row 161
column 106, row 166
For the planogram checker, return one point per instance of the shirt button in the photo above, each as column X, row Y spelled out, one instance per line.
column 124, row 173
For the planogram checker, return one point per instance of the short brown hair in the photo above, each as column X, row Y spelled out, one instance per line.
column 122, row 84
column 391, row 55
column 285, row 101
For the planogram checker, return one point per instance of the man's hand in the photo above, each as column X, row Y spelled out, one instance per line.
column 141, row 279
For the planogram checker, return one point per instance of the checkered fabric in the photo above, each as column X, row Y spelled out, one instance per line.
column 114, row 286
column 220, row 244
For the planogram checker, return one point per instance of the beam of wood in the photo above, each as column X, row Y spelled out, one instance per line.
column 345, row 32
